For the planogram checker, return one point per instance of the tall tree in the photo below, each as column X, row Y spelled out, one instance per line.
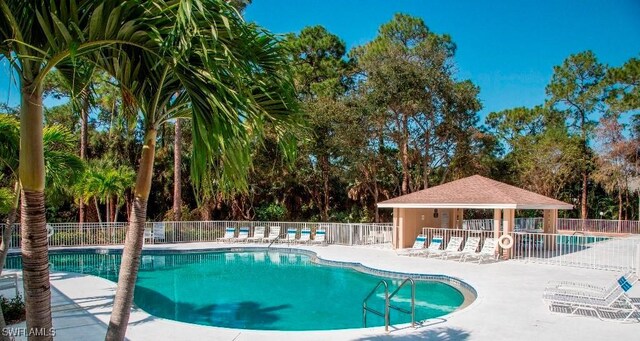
column 541, row 156
column 35, row 36
column 576, row 88
column 62, row 169
column 177, row 171
column 320, row 74
column 407, row 73
column 232, row 82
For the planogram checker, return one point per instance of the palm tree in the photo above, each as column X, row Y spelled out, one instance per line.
column 104, row 183
column 62, row 168
column 177, row 172
column 230, row 78
column 35, row 36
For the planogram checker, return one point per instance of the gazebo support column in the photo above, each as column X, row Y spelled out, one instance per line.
column 550, row 226
column 397, row 227
column 459, row 217
column 497, row 222
column 508, row 223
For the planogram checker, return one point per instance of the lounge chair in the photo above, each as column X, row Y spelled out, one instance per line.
column 305, row 236
column 242, row 235
column 291, row 236
column 319, row 238
column 604, row 305
column 274, row 234
column 434, row 246
column 488, row 251
column 452, row 247
column 229, row 233
column 579, row 289
column 418, row 245
column 470, row 247
column 258, row 234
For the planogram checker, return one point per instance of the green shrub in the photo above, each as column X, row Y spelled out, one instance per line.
column 13, row 309
column 271, row 212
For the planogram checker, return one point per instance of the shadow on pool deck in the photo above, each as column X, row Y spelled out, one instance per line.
column 439, row 333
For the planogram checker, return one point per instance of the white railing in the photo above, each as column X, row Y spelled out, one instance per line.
column 600, row 225
column 586, row 251
column 89, row 234
column 487, row 224
column 564, row 224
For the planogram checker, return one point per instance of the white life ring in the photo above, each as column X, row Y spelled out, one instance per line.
column 505, row 238
column 50, row 231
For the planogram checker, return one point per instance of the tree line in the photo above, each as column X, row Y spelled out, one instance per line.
column 386, row 118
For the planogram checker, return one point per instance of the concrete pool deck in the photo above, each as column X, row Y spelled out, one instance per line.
column 508, row 306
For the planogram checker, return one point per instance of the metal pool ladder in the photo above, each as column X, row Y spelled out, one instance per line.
column 387, row 303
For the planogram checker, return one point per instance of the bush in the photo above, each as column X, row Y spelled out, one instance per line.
column 271, row 212
column 13, row 309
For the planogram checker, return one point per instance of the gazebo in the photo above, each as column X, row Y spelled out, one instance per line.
column 443, row 206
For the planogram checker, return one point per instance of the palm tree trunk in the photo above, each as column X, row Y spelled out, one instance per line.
column 177, row 174
column 35, row 257
column 84, row 125
column 133, row 243
column 95, row 201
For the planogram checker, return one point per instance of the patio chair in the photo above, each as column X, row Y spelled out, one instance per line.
column 274, row 234
column 452, row 247
column 488, row 251
column 418, row 244
column 610, row 305
column 242, row 235
column 229, row 233
column 291, row 236
column 148, row 235
column 434, row 246
column 470, row 247
column 258, row 234
column 319, row 238
column 9, row 281
column 158, row 232
column 579, row 289
column 305, row 236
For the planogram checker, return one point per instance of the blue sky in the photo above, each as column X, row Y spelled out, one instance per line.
column 508, row 48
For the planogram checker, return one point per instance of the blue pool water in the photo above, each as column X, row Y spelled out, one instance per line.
column 259, row 290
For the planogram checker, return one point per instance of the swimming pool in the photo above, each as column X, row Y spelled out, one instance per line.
column 274, row 290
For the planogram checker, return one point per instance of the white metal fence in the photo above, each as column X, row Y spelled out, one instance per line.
column 88, row 234
column 565, row 224
column 587, row 251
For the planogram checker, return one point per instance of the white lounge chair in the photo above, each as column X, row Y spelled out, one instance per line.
column 242, row 235
column 452, row 247
column 579, row 289
column 229, row 233
column 434, row 246
column 291, row 235
column 319, row 238
column 488, row 251
column 418, row 245
column 148, row 235
column 305, row 236
column 612, row 305
column 470, row 247
column 258, row 234
column 274, row 233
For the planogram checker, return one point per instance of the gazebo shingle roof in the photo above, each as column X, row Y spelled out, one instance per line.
column 475, row 192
